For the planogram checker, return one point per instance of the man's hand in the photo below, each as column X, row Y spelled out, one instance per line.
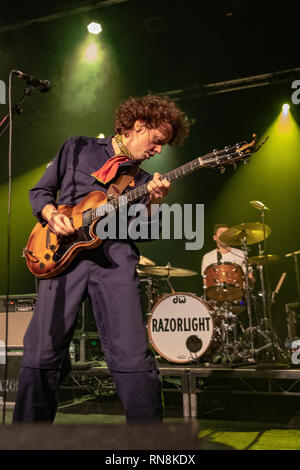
column 58, row 223
column 158, row 189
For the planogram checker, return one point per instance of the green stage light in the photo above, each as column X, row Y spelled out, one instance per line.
column 271, row 176
column 94, row 28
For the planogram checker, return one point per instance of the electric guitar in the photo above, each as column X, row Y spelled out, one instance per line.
column 48, row 255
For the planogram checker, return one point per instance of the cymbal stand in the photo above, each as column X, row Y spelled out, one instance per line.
column 265, row 331
column 248, row 296
column 263, row 292
column 167, row 278
column 228, row 330
column 264, row 275
column 294, row 255
column 149, row 294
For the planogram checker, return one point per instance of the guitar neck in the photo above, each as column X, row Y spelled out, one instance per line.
column 213, row 159
column 172, row 175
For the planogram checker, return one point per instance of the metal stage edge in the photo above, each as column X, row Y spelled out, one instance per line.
column 194, row 380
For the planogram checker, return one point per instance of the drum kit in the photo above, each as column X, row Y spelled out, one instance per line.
column 230, row 324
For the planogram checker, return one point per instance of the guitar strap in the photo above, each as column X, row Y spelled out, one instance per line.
column 117, row 188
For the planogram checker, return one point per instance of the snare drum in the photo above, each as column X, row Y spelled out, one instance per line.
column 224, row 282
column 180, row 327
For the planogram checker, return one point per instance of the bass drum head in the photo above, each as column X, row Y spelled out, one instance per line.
column 180, row 327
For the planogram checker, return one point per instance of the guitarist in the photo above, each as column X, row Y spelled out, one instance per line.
column 106, row 273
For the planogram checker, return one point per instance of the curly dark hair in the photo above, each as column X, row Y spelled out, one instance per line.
column 217, row 226
column 153, row 110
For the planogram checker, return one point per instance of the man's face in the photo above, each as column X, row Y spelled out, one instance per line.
column 144, row 143
column 219, row 232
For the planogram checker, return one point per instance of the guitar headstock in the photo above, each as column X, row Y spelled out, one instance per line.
column 231, row 154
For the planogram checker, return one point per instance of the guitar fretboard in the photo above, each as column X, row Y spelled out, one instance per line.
column 215, row 158
column 140, row 191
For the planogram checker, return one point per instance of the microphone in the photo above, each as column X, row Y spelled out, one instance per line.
column 259, row 205
column 42, row 85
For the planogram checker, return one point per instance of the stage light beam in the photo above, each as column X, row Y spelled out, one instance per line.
column 91, row 53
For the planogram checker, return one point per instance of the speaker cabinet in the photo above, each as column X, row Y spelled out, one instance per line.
column 9, row 377
column 17, row 325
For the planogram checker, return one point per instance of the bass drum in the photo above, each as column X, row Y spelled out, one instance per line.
column 181, row 327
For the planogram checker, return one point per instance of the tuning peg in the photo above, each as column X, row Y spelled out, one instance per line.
column 222, row 170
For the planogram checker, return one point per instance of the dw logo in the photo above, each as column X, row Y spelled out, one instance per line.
column 2, row 92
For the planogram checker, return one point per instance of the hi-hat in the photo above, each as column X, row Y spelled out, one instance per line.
column 146, row 261
column 166, row 271
column 251, row 232
column 261, row 259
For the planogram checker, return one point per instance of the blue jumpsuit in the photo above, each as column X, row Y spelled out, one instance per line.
column 108, row 275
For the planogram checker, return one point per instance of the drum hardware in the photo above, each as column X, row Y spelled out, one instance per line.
column 228, row 332
column 245, row 234
column 165, row 272
column 152, row 275
column 295, row 255
column 272, row 344
column 151, row 293
column 248, row 295
column 168, row 271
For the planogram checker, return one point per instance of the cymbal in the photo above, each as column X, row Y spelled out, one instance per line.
column 167, row 270
column 261, row 259
column 146, row 261
column 253, row 231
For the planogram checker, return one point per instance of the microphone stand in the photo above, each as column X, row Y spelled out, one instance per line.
column 16, row 109
column 5, row 124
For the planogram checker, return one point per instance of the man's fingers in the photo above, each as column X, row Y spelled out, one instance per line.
column 61, row 225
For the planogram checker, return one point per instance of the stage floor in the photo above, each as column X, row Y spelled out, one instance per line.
column 255, row 407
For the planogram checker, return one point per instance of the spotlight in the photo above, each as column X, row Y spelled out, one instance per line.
column 101, row 136
column 285, row 109
column 94, row 28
